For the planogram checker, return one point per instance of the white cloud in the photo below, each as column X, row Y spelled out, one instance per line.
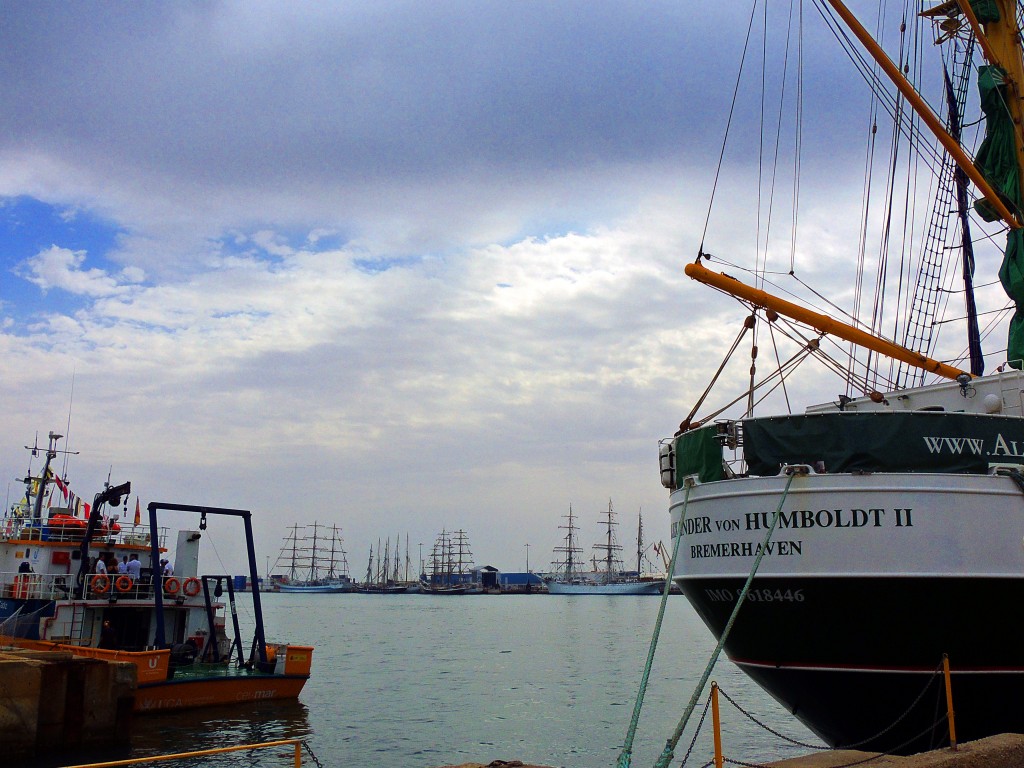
column 529, row 180
column 60, row 268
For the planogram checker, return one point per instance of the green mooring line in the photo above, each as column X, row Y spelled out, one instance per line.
column 627, row 748
column 669, row 752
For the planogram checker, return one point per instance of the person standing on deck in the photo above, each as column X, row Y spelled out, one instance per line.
column 133, row 568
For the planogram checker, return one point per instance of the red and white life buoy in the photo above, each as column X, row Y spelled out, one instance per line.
column 123, row 583
column 191, row 587
column 100, row 583
column 171, row 585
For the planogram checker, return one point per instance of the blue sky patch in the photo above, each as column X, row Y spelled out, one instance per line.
column 29, row 226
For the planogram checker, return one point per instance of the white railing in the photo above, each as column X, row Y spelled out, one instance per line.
column 36, row 586
column 21, row 529
column 51, row 586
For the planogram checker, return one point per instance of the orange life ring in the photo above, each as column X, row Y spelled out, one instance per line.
column 171, row 586
column 99, row 583
column 123, row 583
column 191, row 587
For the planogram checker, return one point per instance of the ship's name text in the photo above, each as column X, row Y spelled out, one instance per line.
column 801, row 519
column 746, row 549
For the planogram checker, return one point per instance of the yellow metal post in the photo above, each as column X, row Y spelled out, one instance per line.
column 198, row 753
column 949, row 702
column 716, row 720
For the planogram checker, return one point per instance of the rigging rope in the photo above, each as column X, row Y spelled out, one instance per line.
column 669, row 752
column 747, row 325
column 728, row 124
column 627, row 748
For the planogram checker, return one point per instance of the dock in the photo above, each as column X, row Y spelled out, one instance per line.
column 1005, row 750
column 52, row 701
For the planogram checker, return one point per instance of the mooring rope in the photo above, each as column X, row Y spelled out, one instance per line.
column 627, row 748
column 669, row 752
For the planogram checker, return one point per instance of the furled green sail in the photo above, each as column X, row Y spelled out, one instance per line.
column 985, row 11
column 997, row 160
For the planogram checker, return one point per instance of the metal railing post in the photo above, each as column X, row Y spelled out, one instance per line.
column 949, row 702
column 717, row 722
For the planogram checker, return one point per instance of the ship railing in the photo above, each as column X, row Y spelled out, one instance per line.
column 35, row 586
column 21, row 529
column 58, row 586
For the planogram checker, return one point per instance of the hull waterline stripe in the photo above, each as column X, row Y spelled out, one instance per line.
column 797, row 667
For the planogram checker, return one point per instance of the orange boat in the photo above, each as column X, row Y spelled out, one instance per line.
column 173, row 629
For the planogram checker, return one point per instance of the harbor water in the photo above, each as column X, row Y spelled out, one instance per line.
column 422, row 680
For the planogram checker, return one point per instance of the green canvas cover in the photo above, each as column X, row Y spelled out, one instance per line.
column 698, row 453
column 985, row 10
column 996, row 156
column 909, row 441
column 997, row 160
column 1011, row 275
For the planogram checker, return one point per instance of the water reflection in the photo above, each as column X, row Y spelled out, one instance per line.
column 200, row 729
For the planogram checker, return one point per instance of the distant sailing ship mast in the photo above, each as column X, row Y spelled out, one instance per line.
column 571, row 555
column 610, row 547
column 309, row 556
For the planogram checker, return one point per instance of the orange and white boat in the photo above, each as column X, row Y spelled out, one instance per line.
column 172, row 628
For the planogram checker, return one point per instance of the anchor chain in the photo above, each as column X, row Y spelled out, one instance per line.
column 312, row 755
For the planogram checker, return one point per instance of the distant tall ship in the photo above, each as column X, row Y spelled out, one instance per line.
column 382, row 576
column 450, row 566
column 317, row 561
column 607, row 575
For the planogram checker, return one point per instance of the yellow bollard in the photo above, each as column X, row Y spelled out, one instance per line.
column 717, row 722
column 949, row 702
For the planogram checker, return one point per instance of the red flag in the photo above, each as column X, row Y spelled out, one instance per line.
column 60, row 484
column 138, row 512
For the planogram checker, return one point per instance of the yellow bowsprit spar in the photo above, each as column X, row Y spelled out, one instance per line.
column 820, row 322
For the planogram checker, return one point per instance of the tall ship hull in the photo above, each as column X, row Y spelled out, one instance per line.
column 316, row 589
column 869, row 577
column 655, row 587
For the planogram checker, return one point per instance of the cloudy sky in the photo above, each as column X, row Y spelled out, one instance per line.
column 395, row 266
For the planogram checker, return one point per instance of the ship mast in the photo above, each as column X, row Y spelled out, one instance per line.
column 999, row 39
column 929, row 118
column 1000, row 42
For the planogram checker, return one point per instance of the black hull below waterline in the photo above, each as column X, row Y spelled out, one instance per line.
column 899, row 712
column 849, row 656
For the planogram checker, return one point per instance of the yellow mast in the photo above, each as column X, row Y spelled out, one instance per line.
column 1000, row 43
column 820, row 322
column 1003, row 40
column 929, row 118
